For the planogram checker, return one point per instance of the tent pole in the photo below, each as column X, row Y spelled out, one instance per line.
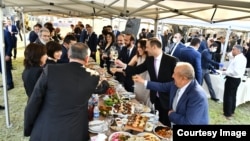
column 225, row 45
column 2, row 47
column 156, row 27
column 24, row 34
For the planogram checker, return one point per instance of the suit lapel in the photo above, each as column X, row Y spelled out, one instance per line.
column 185, row 94
column 161, row 65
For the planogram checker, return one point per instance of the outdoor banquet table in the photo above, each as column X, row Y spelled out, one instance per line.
column 218, row 80
column 119, row 90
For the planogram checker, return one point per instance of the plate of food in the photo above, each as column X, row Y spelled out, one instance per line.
column 96, row 126
column 163, row 132
column 119, row 136
column 149, row 136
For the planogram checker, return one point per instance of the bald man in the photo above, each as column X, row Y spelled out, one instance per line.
column 187, row 98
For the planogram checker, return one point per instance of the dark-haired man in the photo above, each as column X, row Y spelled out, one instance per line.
column 191, row 55
column 160, row 68
column 34, row 33
column 68, row 41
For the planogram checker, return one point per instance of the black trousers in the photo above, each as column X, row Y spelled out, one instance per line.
column 229, row 98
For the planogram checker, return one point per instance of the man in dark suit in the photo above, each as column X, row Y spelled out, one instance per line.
column 116, row 32
column 126, row 54
column 58, row 106
column 176, row 46
column 217, row 55
column 68, row 41
column 91, row 40
column 188, row 101
column 13, row 32
column 160, row 68
column 34, row 34
column 43, row 36
column 191, row 55
column 8, row 42
column 203, row 44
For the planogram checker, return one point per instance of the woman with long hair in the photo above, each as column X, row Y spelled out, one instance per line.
column 110, row 40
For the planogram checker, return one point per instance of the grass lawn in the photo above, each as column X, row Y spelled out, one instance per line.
column 18, row 99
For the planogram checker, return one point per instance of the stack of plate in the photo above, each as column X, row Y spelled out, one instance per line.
column 96, row 126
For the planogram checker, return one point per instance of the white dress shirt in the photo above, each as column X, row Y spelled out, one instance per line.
column 157, row 63
column 237, row 66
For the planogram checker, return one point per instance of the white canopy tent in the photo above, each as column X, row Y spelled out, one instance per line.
column 208, row 11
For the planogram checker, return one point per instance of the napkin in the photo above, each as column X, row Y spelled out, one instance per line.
column 99, row 137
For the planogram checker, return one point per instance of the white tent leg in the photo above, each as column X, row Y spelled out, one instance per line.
column 24, row 35
column 5, row 93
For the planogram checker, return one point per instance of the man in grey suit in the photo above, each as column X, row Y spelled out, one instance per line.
column 188, row 101
column 58, row 107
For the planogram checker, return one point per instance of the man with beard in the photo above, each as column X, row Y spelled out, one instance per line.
column 43, row 36
column 126, row 54
column 160, row 67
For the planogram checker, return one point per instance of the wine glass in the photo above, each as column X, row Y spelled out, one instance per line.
column 113, row 69
column 133, row 78
column 115, row 55
column 109, row 120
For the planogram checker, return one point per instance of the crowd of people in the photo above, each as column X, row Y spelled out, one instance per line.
column 163, row 71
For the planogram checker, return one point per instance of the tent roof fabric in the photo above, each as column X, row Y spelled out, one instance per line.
column 210, row 11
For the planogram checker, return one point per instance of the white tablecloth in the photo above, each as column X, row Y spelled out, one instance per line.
column 243, row 92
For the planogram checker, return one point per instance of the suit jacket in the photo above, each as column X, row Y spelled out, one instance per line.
column 33, row 36
column 83, row 35
column 124, row 57
column 7, row 42
column 29, row 77
column 206, row 59
column 203, row 45
column 164, row 75
column 177, row 51
column 192, row 56
column 38, row 41
column 192, row 107
column 13, row 36
column 117, row 32
column 58, row 107
column 92, row 42
column 64, row 57
column 127, row 80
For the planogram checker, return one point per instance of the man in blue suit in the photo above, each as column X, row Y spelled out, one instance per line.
column 191, row 55
column 188, row 101
column 8, row 48
column 176, row 46
column 13, row 32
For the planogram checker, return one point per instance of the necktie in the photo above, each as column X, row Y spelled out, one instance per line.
column 172, row 49
column 175, row 100
column 128, row 52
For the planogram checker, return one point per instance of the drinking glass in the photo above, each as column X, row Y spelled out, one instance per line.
column 133, row 78
column 109, row 120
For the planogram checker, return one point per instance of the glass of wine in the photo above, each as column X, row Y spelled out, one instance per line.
column 109, row 120
column 133, row 78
